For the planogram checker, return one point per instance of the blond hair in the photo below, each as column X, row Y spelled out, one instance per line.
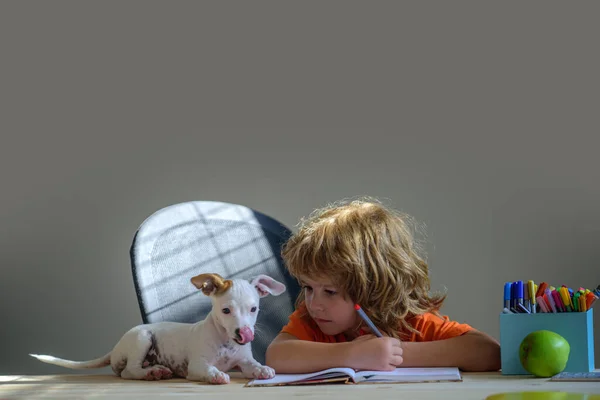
column 369, row 253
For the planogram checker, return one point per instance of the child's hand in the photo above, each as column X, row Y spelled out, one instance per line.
column 374, row 353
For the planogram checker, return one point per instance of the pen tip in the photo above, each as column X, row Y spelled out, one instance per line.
column 356, row 307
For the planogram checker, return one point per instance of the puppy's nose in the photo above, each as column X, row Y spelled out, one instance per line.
column 245, row 334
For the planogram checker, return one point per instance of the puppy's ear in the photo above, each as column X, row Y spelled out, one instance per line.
column 211, row 283
column 265, row 285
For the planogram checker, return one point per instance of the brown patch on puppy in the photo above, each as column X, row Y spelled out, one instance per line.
column 180, row 370
column 119, row 366
column 153, row 354
column 211, row 283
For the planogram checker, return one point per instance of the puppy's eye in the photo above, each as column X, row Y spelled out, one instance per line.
column 226, row 311
column 253, row 309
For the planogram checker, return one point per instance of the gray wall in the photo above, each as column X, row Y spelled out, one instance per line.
column 479, row 120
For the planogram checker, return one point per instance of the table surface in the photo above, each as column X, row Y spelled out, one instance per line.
column 473, row 386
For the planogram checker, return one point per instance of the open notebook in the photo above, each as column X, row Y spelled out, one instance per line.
column 348, row 375
column 577, row 376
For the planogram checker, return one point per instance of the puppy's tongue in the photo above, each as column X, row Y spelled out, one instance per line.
column 246, row 335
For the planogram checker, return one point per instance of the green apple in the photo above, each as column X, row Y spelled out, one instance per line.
column 544, row 353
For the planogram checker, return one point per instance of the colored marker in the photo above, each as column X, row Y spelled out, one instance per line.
column 541, row 289
column 566, row 298
column 558, row 301
column 367, row 320
column 507, row 296
column 550, row 299
column 542, row 303
column 590, row 298
column 519, row 292
column 576, row 301
column 583, row 303
column 531, row 290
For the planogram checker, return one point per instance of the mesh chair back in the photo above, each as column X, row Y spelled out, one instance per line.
column 186, row 239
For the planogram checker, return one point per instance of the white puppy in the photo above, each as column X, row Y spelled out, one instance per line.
column 200, row 351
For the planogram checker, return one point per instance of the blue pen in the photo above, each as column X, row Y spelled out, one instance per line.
column 507, row 294
column 513, row 298
column 367, row 320
column 519, row 292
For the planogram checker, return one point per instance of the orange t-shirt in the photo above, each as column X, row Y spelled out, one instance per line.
column 431, row 327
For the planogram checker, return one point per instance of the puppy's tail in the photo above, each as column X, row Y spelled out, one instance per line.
column 97, row 363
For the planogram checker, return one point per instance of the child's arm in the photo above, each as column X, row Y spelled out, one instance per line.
column 288, row 355
column 473, row 351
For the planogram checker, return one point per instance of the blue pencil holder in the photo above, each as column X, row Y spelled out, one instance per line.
column 576, row 327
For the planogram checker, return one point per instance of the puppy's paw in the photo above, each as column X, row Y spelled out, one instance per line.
column 157, row 373
column 165, row 373
column 263, row 372
column 218, row 378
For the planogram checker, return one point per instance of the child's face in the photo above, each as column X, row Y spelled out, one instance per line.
column 328, row 307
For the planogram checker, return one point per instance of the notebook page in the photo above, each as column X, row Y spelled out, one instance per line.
column 412, row 374
column 288, row 378
column 577, row 376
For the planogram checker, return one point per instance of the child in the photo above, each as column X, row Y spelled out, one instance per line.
column 362, row 252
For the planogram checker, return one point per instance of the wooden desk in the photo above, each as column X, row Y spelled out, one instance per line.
column 474, row 386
